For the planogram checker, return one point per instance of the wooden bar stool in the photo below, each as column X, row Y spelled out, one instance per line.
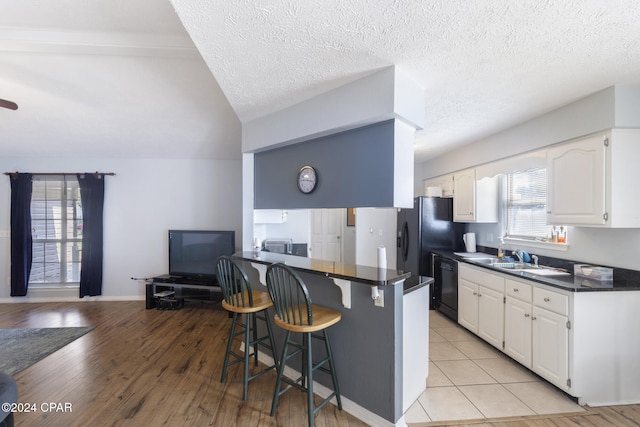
column 240, row 299
column 296, row 313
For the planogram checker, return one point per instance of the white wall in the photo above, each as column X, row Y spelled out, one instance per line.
column 296, row 227
column 143, row 200
column 375, row 227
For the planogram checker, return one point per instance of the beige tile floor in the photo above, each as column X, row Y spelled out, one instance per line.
column 469, row 379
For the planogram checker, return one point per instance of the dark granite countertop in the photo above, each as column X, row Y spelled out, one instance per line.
column 623, row 280
column 358, row 273
column 414, row 283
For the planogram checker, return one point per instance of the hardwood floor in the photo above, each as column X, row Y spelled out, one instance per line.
column 149, row 367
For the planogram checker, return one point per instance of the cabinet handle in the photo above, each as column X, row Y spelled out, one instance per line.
column 475, row 293
column 479, row 295
column 547, row 300
column 534, row 318
column 516, row 290
column 527, row 315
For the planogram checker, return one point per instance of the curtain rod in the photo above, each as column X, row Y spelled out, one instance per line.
column 65, row 173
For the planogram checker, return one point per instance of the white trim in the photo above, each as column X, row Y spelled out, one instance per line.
column 94, row 43
column 75, row 298
column 537, row 244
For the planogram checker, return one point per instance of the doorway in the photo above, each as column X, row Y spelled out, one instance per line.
column 326, row 234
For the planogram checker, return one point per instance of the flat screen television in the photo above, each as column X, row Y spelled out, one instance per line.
column 193, row 253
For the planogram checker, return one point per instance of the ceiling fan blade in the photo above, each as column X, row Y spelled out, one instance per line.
column 8, row 104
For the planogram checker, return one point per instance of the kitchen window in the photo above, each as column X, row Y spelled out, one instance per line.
column 526, row 205
column 56, row 225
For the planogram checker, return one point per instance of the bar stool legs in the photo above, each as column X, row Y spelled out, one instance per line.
column 305, row 381
column 251, row 341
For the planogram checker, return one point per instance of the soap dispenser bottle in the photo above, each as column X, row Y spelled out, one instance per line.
column 501, row 249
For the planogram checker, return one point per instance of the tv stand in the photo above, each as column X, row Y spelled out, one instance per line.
column 184, row 287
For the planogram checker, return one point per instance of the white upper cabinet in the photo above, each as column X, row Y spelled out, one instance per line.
column 474, row 200
column 269, row 216
column 444, row 181
column 576, row 182
column 590, row 181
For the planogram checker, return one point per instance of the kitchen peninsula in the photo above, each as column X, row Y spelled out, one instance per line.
column 380, row 348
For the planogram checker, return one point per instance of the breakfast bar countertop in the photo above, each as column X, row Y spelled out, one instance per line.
column 359, row 273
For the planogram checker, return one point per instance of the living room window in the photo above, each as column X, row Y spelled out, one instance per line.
column 56, row 225
column 526, row 205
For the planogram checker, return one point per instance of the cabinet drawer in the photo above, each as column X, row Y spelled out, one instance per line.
column 552, row 301
column 481, row 277
column 518, row 290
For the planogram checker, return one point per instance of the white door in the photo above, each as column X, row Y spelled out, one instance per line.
column 464, row 201
column 517, row 330
column 491, row 316
column 551, row 346
column 468, row 305
column 326, row 234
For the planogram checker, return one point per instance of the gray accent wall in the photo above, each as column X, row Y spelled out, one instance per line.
column 355, row 169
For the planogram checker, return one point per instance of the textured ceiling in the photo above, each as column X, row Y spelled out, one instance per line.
column 126, row 76
column 485, row 65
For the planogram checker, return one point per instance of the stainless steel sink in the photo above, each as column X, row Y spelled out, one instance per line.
column 521, row 267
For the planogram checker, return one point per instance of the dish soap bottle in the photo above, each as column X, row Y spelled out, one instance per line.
column 500, row 249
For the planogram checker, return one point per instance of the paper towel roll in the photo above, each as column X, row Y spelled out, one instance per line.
column 469, row 241
column 382, row 257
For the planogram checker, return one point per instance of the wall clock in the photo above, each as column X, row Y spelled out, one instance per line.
column 307, row 179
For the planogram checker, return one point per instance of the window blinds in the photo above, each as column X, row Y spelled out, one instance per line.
column 526, row 204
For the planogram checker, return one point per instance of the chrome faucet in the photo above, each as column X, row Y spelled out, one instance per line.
column 518, row 254
column 534, row 258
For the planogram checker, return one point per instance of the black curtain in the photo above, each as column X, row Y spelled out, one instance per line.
column 21, row 248
column 92, row 196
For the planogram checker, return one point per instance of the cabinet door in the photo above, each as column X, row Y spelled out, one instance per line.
column 468, row 305
column 550, row 346
column 446, row 182
column 576, row 182
column 491, row 316
column 517, row 330
column 464, row 200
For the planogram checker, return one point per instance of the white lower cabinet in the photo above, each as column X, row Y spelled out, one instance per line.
column 550, row 319
column 583, row 342
column 528, row 322
column 550, row 346
column 481, row 303
column 467, row 303
column 517, row 330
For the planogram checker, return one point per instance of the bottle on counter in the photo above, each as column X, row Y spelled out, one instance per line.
column 562, row 235
column 501, row 249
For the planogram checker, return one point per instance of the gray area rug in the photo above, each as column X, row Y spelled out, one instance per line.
column 21, row 348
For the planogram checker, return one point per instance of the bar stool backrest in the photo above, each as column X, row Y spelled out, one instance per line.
column 289, row 295
column 234, row 283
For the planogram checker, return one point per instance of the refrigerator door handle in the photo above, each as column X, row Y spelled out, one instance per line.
column 405, row 241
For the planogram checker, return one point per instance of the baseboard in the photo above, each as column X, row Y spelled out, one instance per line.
column 348, row 405
column 76, row 298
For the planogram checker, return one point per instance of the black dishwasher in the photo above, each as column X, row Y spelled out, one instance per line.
column 446, row 286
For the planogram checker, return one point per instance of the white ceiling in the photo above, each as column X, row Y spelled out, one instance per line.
column 123, row 77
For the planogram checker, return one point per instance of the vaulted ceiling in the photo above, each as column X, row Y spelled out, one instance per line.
column 153, row 78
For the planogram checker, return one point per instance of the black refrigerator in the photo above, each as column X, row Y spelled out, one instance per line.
column 425, row 229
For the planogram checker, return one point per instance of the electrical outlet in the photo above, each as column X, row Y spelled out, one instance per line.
column 5, row 233
column 489, row 237
column 380, row 301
